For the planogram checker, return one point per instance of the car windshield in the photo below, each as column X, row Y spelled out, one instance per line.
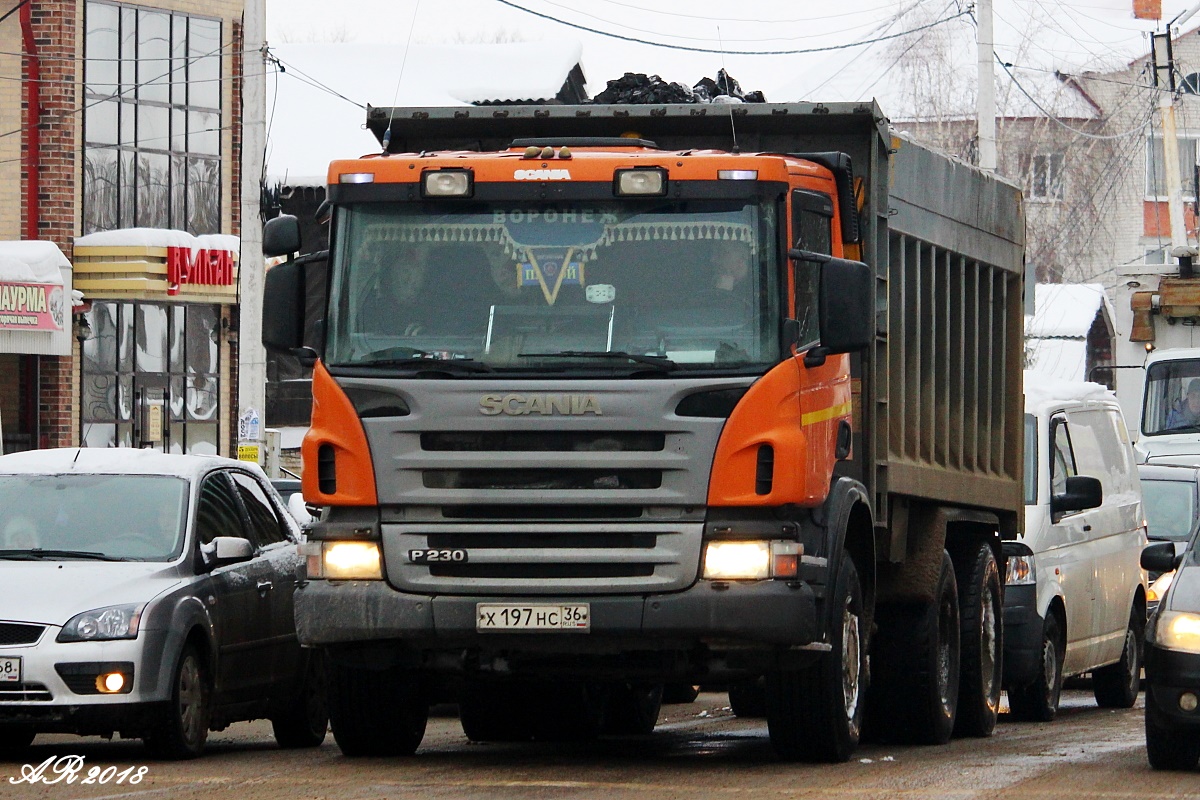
column 1172, row 400
column 111, row 517
column 1170, row 508
column 598, row 286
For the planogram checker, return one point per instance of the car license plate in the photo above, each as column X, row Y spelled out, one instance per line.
column 10, row 669
column 533, row 617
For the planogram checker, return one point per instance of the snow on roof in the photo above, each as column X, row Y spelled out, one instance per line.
column 1065, row 359
column 1041, row 388
column 32, row 262
column 1066, row 310
column 158, row 237
column 311, row 126
column 111, row 461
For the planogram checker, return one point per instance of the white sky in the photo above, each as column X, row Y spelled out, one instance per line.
column 1038, row 36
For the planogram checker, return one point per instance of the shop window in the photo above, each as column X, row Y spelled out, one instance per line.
column 152, row 120
column 151, row 377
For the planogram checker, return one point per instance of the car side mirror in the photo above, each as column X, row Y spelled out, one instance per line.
column 281, row 236
column 228, row 549
column 1082, row 492
column 1160, row 557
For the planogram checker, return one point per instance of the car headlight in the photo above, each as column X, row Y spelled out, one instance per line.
column 1178, row 630
column 1021, row 571
column 343, row 561
column 751, row 560
column 103, row 624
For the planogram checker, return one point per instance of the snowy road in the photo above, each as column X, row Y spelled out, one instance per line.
column 698, row 751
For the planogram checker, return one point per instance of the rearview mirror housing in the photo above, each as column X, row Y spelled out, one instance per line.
column 1082, row 492
column 281, row 236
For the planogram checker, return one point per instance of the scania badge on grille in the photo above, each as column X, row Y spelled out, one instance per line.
column 517, row 405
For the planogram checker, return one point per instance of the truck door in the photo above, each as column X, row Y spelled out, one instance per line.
column 1067, row 557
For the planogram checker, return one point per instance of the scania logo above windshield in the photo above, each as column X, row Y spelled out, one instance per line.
column 516, row 405
column 542, row 175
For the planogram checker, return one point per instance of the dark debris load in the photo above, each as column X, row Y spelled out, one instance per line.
column 637, row 88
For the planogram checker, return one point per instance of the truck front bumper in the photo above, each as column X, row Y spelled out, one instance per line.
column 763, row 612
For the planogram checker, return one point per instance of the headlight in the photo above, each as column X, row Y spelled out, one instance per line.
column 1178, row 630
column 754, row 560
column 447, row 183
column 343, row 561
column 1021, row 571
column 640, row 181
column 1158, row 589
column 101, row 624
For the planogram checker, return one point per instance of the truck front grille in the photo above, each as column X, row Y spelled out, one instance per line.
column 530, row 512
column 542, row 479
column 543, row 441
column 531, row 558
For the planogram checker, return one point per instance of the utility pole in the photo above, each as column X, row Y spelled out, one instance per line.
column 252, row 361
column 985, row 100
column 1163, row 53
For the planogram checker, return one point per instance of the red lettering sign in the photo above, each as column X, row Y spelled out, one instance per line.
column 207, row 268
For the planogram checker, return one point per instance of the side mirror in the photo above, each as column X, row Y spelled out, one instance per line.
column 847, row 306
column 228, row 549
column 1082, row 492
column 283, row 306
column 281, row 236
column 1160, row 557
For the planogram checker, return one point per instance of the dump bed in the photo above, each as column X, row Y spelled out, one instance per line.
column 938, row 399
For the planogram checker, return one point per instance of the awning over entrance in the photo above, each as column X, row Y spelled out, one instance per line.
column 35, row 299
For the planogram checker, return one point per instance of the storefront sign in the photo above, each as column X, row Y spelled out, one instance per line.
column 206, row 268
column 32, row 307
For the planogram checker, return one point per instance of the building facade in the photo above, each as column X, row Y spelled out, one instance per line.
column 122, row 149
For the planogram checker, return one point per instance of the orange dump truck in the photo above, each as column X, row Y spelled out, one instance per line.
column 605, row 405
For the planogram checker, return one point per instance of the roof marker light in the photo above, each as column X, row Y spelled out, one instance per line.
column 737, row 174
column 356, row 177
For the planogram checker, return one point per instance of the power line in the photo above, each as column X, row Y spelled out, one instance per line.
column 708, row 17
column 664, row 45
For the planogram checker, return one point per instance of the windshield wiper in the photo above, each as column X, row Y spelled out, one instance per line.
column 662, row 362
column 38, row 553
column 409, row 357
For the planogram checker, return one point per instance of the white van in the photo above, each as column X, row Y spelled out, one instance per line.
column 1075, row 593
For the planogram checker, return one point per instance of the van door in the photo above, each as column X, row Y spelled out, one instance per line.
column 1064, row 557
column 1115, row 540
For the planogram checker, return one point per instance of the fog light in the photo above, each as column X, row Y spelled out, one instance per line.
column 1188, row 701
column 110, row 682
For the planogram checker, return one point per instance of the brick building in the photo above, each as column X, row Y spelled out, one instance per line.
column 121, row 147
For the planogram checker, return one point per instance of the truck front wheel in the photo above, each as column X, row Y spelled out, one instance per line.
column 375, row 712
column 815, row 713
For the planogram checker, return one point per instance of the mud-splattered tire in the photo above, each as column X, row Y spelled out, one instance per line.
column 181, row 730
column 305, row 721
column 375, row 712
column 981, row 612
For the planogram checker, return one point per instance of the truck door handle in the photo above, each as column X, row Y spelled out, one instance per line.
column 264, row 587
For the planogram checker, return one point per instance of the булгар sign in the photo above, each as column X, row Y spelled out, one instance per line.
column 32, row 307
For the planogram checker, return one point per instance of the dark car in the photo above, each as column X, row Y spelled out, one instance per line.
column 1173, row 660
column 151, row 596
column 1171, row 502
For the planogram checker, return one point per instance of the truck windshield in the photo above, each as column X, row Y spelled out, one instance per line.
column 693, row 284
column 1172, row 401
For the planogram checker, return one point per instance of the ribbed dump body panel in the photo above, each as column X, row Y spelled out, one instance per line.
column 543, row 503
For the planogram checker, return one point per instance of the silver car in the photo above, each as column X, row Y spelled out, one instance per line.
column 150, row 596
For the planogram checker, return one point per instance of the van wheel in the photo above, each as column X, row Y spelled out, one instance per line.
column 375, row 712
column 1167, row 748
column 306, row 718
column 748, row 699
column 1117, row 685
column 1038, row 701
column 815, row 713
column 981, row 609
column 916, row 660
column 633, row 708
column 181, row 729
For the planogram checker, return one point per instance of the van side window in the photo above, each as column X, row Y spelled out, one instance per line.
column 1101, row 446
column 812, row 230
column 1062, row 458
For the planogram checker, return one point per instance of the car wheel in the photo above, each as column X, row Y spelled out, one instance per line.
column 375, row 712
column 181, row 730
column 306, row 719
column 1117, row 685
column 1038, row 701
column 815, row 713
column 1167, row 748
column 633, row 708
column 14, row 741
column 981, row 609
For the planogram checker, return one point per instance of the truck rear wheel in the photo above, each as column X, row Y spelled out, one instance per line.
column 815, row 713
column 980, row 608
column 375, row 712
column 915, row 658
